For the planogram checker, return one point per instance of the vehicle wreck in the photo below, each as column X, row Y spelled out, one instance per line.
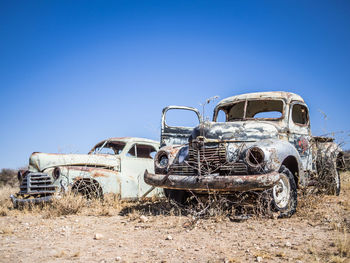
column 255, row 142
column 115, row 165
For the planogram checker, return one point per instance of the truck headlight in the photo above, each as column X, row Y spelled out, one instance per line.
column 162, row 160
column 183, row 153
column 255, row 157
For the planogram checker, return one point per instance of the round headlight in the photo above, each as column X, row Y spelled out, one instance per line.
column 183, row 153
column 56, row 173
column 255, row 157
column 162, row 160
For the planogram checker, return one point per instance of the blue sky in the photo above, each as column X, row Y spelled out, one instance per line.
column 75, row 72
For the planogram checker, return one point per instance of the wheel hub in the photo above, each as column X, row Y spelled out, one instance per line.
column 281, row 192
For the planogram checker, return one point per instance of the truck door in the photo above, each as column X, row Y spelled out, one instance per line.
column 299, row 132
column 171, row 133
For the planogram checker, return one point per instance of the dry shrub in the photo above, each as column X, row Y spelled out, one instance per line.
column 8, row 177
column 72, row 204
column 309, row 205
column 5, row 201
column 68, row 204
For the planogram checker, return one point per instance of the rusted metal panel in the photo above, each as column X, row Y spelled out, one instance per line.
column 175, row 135
column 224, row 148
column 211, row 183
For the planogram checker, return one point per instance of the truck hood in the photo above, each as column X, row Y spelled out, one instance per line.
column 41, row 161
column 238, row 130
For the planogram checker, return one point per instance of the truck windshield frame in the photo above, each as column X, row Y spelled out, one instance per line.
column 247, row 110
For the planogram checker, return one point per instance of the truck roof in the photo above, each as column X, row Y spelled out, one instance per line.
column 289, row 96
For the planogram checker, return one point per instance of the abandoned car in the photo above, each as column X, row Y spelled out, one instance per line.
column 115, row 166
column 257, row 142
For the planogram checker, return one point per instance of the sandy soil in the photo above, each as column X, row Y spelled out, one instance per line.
column 314, row 234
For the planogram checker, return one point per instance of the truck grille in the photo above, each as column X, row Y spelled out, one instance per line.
column 182, row 169
column 209, row 159
column 37, row 183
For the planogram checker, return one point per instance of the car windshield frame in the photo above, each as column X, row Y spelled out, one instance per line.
column 108, row 144
column 228, row 106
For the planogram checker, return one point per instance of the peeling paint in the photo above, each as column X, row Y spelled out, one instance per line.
column 117, row 173
column 220, row 151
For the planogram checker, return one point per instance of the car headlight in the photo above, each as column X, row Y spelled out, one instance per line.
column 183, row 153
column 56, row 173
column 255, row 157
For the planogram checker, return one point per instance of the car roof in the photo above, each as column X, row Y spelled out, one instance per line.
column 289, row 96
column 130, row 139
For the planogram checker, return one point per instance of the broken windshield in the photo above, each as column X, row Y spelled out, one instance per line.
column 251, row 109
column 108, row 147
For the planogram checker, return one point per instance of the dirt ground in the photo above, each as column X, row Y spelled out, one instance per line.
column 153, row 232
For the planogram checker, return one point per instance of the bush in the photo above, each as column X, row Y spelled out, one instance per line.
column 8, row 177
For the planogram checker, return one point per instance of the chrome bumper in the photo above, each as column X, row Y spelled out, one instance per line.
column 213, row 182
column 21, row 201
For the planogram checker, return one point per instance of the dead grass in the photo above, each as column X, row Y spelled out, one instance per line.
column 68, row 204
column 334, row 212
column 5, row 201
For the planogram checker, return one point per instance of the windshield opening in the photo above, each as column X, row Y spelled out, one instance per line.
column 253, row 109
column 108, row 148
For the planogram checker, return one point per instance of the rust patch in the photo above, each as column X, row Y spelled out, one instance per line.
column 99, row 175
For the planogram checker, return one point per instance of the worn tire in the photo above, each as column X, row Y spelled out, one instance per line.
column 284, row 194
column 330, row 179
column 177, row 196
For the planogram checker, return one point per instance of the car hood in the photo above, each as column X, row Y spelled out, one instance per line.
column 238, row 130
column 41, row 161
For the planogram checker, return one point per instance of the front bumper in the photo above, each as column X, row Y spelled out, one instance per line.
column 213, row 182
column 17, row 202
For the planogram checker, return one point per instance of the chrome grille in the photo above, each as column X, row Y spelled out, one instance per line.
column 37, row 183
column 209, row 159
column 182, row 169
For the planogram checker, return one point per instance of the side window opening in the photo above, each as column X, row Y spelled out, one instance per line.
column 181, row 118
column 132, row 151
column 300, row 114
column 142, row 151
column 221, row 117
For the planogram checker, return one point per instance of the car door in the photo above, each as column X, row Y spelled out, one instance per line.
column 138, row 158
column 175, row 134
column 299, row 132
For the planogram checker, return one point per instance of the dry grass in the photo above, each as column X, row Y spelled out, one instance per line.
column 5, row 201
column 68, row 204
column 330, row 212
column 334, row 212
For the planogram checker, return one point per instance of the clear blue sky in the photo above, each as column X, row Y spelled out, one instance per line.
column 75, row 72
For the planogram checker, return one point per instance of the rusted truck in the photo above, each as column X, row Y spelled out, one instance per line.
column 257, row 142
column 115, row 165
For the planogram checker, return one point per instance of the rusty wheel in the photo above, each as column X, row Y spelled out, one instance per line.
column 284, row 194
column 89, row 188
